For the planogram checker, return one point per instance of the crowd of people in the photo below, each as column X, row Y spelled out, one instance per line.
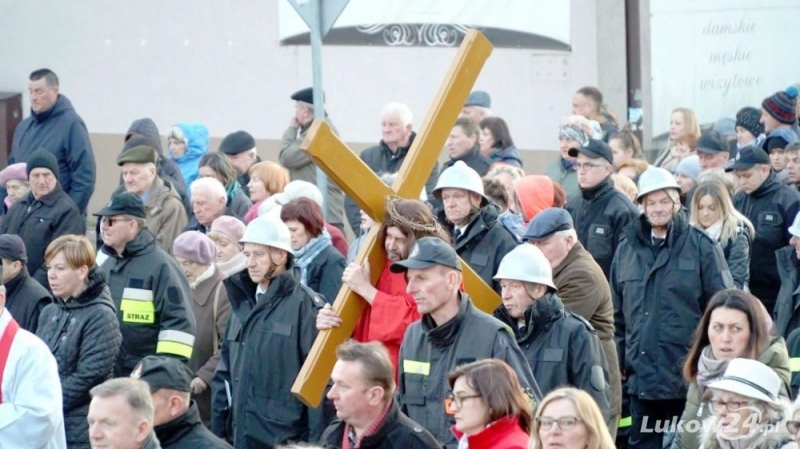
column 641, row 305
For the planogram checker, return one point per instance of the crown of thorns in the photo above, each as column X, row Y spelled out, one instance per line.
column 395, row 216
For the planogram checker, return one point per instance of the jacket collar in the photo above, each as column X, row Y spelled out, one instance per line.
column 143, row 243
column 61, row 104
column 16, row 281
column 173, row 431
column 48, row 200
column 597, row 191
column 445, row 334
column 468, row 156
column 494, row 434
column 642, row 229
column 769, row 186
column 577, row 252
column 94, row 292
column 483, row 219
column 401, row 151
column 544, row 310
column 245, row 302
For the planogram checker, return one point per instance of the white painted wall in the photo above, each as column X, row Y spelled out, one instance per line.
column 220, row 62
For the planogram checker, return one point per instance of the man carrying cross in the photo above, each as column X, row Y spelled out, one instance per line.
column 452, row 332
column 391, row 310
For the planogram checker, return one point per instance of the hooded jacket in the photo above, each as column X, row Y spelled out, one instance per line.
column 153, row 303
column 279, row 328
column 301, row 167
column 474, row 160
column 567, row 177
column 39, row 222
column 780, row 137
column 61, row 131
column 660, row 294
column 535, row 193
column 167, row 168
column 83, row 335
column 485, row 242
column 431, row 350
column 771, row 208
column 25, row 299
column 600, row 215
column 187, row 432
column 197, row 141
column 775, row 357
column 562, row 349
column 380, row 159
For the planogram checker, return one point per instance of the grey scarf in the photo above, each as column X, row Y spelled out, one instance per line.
column 709, row 369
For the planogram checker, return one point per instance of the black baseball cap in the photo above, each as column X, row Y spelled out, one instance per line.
column 427, row 252
column 595, row 149
column 748, row 157
column 125, row 203
column 546, row 223
column 12, row 248
column 164, row 372
column 711, row 142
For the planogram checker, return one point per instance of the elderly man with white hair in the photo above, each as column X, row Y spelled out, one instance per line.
column 300, row 189
column 209, row 200
column 388, row 155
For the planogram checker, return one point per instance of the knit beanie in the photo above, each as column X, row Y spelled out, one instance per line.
column 781, row 105
column 42, row 158
column 689, row 167
column 196, row 247
column 749, row 119
column 230, row 227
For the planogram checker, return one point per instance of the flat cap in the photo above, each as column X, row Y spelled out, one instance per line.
column 140, row 154
column 305, row 95
column 427, row 252
column 711, row 142
column 546, row 223
column 163, row 372
column 237, row 142
column 479, row 98
column 12, row 248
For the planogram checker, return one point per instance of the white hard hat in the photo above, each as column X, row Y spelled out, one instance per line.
column 654, row 179
column 526, row 263
column 268, row 231
column 459, row 176
column 794, row 229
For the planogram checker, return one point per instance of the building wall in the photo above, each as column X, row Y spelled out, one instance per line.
column 221, row 63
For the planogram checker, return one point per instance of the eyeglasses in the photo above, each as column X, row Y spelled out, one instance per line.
column 587, row 165
column 457, row 401
column 732, row 406
column 110, row 221
column 564, row 423
column 793, row 426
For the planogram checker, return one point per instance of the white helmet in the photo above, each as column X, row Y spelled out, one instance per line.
column 459, row 176
column 526, row 263
column 268, row 231
column 654, row 179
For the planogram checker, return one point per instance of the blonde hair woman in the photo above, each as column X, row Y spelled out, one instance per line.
column 712, row 211
column 569, row 418
column 684, row 131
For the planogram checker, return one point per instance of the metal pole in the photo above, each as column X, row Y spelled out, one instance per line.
column 319, row 106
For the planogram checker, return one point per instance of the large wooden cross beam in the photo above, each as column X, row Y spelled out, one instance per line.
column 356, row 179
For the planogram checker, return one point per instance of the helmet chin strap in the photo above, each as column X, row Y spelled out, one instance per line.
column 272, row 272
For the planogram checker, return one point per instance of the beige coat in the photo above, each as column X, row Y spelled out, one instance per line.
column 584, row 290
column 204, row 357
column 166, row 216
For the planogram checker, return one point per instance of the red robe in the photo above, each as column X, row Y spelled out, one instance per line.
column 391, row 312
column 504, row 433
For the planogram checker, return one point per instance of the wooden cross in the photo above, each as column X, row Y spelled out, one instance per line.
column 356, row 179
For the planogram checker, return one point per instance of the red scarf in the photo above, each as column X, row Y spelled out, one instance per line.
column 371, row 430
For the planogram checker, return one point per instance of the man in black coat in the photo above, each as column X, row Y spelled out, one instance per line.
column 268, row 337
column 600, row 212
column 25, row 297
column 663, row 275
column 471, row 219
column 55, row 126
column 176, row 418
column 462, row 145
column 771, row 206
column 388, row 155
column 363, row 393
column 47, row 212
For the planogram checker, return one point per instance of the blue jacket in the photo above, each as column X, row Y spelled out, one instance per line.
column 196, row 146
column 62, row 132
column 509, row 155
